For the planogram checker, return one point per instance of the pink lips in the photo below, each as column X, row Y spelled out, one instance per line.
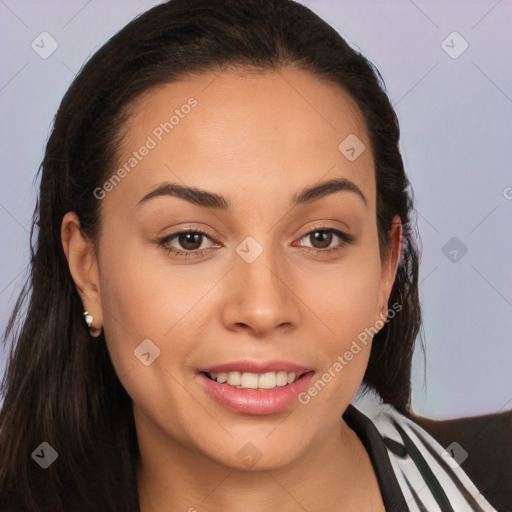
column 256, row 401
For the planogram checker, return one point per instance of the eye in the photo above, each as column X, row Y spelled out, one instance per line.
column 190, row 240
column 322, row 238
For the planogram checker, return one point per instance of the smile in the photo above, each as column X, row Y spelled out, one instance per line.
column 246, row 380
column 251, row 393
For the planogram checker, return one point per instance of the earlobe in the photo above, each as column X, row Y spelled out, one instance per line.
column 83, row 267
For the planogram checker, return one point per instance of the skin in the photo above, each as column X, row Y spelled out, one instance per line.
column 257, row 139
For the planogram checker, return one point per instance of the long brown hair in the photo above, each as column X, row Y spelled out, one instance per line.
column 62, row 389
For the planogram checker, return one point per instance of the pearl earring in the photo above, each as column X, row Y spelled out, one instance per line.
column 88, row 318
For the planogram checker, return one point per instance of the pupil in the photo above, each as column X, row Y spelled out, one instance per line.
column 190, row 238
column 324, row 238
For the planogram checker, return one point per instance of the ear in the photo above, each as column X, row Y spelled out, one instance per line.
column 389, row 265
column 83, row 266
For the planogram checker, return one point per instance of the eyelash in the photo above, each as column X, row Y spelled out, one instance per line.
column 346, row 239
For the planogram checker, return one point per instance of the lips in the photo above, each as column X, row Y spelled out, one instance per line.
column 254, row 400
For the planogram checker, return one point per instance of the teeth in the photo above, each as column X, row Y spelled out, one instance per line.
column 234, row 378
column 248, row 380
column 281, row 378
column 267, row 380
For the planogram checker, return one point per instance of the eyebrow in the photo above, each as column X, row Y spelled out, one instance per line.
column 207, row 199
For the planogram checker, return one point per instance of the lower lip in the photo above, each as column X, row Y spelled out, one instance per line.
column 256, row 401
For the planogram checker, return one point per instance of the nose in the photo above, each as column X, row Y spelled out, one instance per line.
column 259, row 296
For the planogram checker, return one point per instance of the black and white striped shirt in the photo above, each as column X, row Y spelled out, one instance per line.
column 415, row 473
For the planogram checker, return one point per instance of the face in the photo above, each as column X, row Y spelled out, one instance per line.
column 269, row 284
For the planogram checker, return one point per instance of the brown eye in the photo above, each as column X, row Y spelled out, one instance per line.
column 321, row 240
column 190, row 241
column 185, row 243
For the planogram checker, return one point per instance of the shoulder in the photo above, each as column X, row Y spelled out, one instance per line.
column 431, row 469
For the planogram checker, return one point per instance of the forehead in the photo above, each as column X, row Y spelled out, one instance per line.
column 243, row 130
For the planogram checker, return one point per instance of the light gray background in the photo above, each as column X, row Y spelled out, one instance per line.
column 455, row 118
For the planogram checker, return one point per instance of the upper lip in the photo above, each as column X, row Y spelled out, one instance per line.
column 247, row 366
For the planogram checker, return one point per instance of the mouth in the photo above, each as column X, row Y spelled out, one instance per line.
column 256, row 392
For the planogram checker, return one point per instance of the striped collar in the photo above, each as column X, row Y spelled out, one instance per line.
column 415, row 473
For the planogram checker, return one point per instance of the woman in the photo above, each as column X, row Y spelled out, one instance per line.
column 224, row 290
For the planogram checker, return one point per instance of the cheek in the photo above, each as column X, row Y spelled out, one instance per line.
column 345, row 298
column 145, row 312
column 344, row 301
column 145, row 297
column 132, row 309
